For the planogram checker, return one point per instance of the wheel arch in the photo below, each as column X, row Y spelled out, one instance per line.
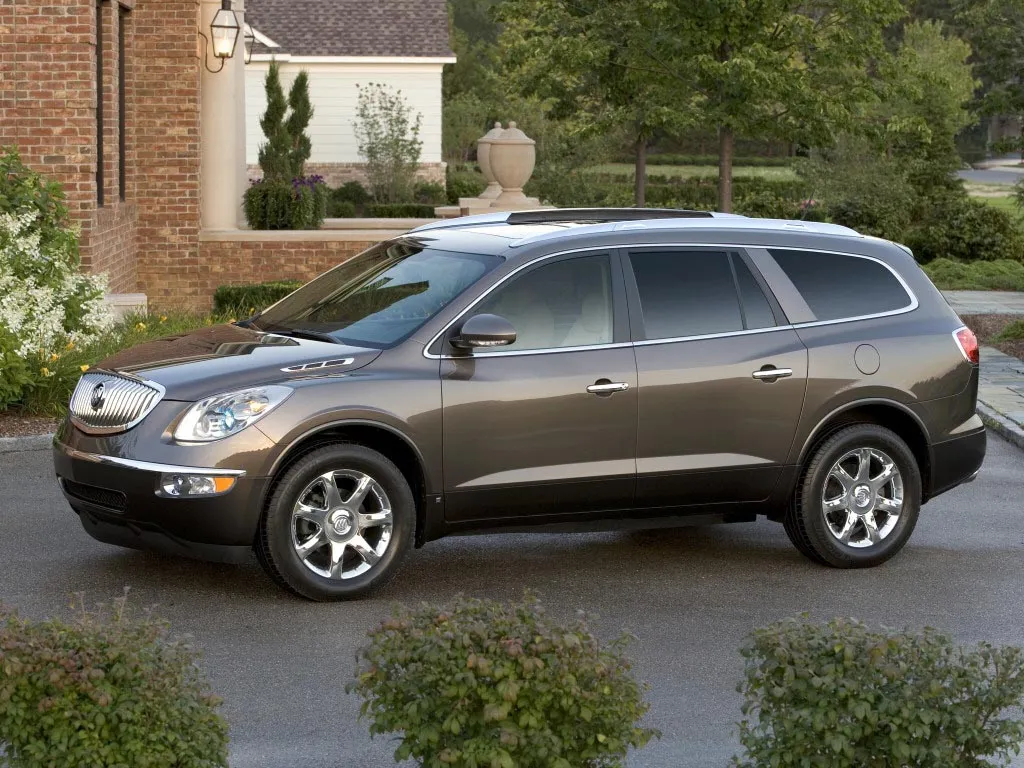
column 383, row 438
column 885, row 413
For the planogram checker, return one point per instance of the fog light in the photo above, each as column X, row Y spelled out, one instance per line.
column 194, row 485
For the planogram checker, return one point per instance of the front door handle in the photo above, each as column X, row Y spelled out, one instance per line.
column 771, row 373
column 605, row 387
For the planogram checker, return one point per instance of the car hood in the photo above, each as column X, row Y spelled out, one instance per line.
column 223, row 358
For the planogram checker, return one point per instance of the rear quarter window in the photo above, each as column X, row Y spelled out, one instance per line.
column 836, row 286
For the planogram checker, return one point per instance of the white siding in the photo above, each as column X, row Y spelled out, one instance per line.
column 332, row 89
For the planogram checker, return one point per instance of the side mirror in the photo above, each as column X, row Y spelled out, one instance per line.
column 484, row 331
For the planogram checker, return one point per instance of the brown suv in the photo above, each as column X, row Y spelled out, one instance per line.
column 555, row 369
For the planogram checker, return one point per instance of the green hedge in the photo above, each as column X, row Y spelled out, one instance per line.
column 399, row 211
column 967, row 229
column 298, row 204
column 246, row 300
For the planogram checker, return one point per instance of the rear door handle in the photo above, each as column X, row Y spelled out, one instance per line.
column 605, row 387
column 771, row 373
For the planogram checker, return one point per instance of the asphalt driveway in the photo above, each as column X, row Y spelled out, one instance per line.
column 690, row 596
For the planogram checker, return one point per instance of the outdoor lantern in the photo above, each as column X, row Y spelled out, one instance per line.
column 224, row 31
column 249, row 41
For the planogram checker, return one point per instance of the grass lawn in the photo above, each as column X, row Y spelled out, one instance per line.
column 689, row 171
column 1000, row 275
column 1004, row 203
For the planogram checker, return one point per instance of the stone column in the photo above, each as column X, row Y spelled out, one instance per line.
column 222, row 129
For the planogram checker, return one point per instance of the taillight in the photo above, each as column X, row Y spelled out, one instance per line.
column 968, row 343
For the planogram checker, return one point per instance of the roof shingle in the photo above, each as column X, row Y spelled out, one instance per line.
column 352, row 27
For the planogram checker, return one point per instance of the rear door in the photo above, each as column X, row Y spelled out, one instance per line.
column 721, row 377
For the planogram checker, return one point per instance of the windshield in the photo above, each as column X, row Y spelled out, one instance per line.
column 378, row 298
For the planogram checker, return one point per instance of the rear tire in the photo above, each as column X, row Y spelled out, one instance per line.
column 338, row 524
column 858, row 499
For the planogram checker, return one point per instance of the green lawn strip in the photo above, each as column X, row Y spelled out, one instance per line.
column 1001, row 275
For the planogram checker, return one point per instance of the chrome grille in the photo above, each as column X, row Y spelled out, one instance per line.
column 118, row 406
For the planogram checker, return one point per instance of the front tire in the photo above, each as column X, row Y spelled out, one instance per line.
column 858, row 499
column 338, row 524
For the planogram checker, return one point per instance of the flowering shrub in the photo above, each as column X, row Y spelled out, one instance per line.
column 46, row 303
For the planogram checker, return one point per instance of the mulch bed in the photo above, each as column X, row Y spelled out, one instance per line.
column 13, row 424
column 986, row 327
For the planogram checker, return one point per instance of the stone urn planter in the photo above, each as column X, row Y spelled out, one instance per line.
column 512, row 157
column 483, row 158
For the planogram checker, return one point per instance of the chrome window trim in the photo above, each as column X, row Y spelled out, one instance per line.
column 82, row 426
column 914, row 304
column 149, row 466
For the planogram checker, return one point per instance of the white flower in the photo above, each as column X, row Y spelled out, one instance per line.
column 38, row 287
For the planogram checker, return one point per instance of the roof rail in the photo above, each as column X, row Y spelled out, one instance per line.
column 602, row 215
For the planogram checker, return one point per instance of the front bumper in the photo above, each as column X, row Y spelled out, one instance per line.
column 117, row 502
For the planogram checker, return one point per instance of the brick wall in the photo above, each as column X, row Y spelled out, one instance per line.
column 164, row 88
column 336, row 174
column 246, row 258
column 48, row 109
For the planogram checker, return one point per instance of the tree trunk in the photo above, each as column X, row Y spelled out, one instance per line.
column 725, row 142
column 640, row 171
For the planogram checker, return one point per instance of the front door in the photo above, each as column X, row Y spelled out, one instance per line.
column 721, row 378
column 545, row 427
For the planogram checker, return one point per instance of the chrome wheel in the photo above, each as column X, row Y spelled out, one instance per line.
column 862, row 498
column 341, row 524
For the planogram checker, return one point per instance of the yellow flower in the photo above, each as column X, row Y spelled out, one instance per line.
column 44, row 371
column 140, row 326
column 84, row 368
column 54, row 357
column 71, row 345
column 163, row 318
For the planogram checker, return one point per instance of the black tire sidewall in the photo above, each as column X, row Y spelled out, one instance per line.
column 812, row 520
column 279, row 555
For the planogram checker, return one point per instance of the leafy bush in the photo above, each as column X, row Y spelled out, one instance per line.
column 843, row 696
column 351, row 192
column 246, row 300
column 1002, row 275
column 430, row 193
column 399, row 211
column 46, row 302
column 479, row 683
column 340, row 209
column 1012, row 332
column 388, row 132
column 466, row 183
column 106, row 690
column 963, row 228
column 276, row 204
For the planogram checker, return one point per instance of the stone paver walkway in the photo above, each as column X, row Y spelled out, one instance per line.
column 985, row 302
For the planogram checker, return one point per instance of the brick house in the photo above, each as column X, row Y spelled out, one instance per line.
column 122, row 102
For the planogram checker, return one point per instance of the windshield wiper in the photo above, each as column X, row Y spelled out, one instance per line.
column 302, row 333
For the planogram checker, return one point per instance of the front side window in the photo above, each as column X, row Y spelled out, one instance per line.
column 378, row 298
column 836, row 286
column 564, row 304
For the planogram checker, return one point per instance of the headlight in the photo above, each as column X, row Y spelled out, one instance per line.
column 223, row 415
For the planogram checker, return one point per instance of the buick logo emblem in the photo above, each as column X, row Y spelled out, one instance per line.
column 97, row 396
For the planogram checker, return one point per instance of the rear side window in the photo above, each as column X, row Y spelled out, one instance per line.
column 696, row 293
column 836, row 286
